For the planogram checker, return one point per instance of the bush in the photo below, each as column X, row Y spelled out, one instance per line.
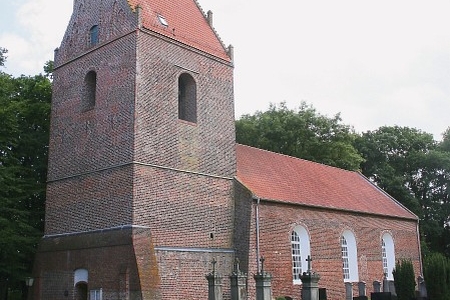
column 404, row 280
column 436, row 273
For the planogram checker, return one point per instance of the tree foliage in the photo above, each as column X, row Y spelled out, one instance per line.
column 302, row 133
column 3, row 52
column 436, row 271
column 404, row 280
column 24, row 130
column 413, row 168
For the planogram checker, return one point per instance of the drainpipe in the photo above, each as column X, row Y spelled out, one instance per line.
column 257, row 233
column 420, row 248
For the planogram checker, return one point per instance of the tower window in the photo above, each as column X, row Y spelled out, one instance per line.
column 93, row 35
column 187, row 98
column 89, row 91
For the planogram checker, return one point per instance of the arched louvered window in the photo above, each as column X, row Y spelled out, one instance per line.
column 300, row 249
column 349, row 257
column 187, row 98
column 388, row 255
column 89, row 91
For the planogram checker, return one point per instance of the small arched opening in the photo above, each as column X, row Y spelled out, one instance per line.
column 187, row 98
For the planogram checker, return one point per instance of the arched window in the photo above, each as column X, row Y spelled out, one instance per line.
column 93, row 35
column 80, row 275
column 300, row 248
column 349, row 257
column 89, row 91
column 80, row 281
column 187, row 98
column 388, row 255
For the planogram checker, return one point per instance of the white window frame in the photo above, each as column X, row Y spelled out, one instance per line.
column 300, row 250
column 388, row 255
column 95, row 294
column 349, row 257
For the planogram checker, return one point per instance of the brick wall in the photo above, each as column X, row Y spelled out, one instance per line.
column 109, row 257
column 183, row 209
column 325, row 228
column 89, row 202
column 83, row 141
column 206, row 146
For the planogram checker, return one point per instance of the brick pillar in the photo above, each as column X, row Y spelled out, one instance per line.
column 348, row 291
column 214, row 284
column 263, row 284
column 238, row 283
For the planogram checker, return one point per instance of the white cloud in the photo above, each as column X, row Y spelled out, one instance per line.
column 38, row 29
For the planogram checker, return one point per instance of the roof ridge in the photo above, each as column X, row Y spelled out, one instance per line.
column 299, row 158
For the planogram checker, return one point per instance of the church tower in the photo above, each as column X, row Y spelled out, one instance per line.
column 142, row 155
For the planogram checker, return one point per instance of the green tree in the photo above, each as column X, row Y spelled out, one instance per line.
column 404, row 280
column 24, row 131
column 436, row 268
column 302, row 133
column 3, row 51
column 410, row 165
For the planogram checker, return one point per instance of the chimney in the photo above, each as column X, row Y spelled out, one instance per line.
column 210, row 18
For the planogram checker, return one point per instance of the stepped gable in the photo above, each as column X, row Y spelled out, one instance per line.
column 183, row 21
column 283, row 178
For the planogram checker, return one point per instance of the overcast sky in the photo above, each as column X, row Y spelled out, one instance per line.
column 384, row 62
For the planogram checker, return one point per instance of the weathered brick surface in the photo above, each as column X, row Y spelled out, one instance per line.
column 160, row 137
column 183, row 273
column 89, row 202
column 325, row 228
column 183, row 209
column 106, row 255
column 83, row 141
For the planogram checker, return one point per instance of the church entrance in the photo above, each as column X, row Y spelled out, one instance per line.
column 81, row 291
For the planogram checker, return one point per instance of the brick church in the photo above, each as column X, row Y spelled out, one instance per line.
column 147, row 186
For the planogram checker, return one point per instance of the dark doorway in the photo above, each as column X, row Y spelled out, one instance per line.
column 81, row 291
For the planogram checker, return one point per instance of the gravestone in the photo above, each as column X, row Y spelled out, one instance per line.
column 348, row 291
column 361, row 291
column 422, row 292
column 322, row 294
column 214, row 284
column 238, row 282
column 381, row 296
column 310, row 283
column 377, row 286
column 263, row 284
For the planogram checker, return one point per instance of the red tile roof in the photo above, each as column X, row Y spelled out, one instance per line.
column 186, row 24
column 278, row 177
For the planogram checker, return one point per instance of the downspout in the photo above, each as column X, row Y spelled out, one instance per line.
column 420, row 248
column 257, row 233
